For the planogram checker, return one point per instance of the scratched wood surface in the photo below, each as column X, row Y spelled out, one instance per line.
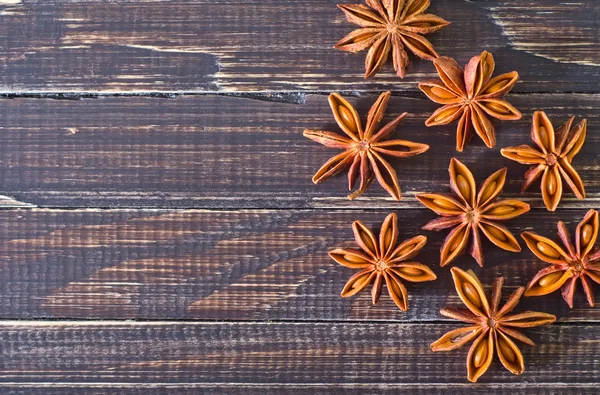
column 159, row 231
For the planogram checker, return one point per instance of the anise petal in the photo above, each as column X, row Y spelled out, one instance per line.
column 476, row 250
column 552, row 187
column 388, row 129
column 456, row 338
column 462, row 182
column 413, row 7
column 400, row 148
column 509, row 354
column 378, row 55
column 568, row 290
column 523, row 154
column 408, row 249
column 576, row 141
column 358, row 282
column 399, row 56
column 377, row 6
column 350, row 257
column 588, row 290
column 572, row 178
column 511, row 303
column 542, row 132
column 419, row 45
column 328, row 139
column 441, row 204
column 397, row 290
column 515, row 334
column 587, row 233
column 385, row 174
column 445, row 115
column 528, row 319
column 480, row 356
column 460, row 314
column 464, row 130
column 562, row 133
column 505, row 210
column 483, row 126
column 413, row 271
column 438, row 93
column 361, row 15
column 424, row 23
column 478, row 72
column 333, row 166
column 532, row 175
column 359, row 39
column 471, row 292
column 443, row 223
column 365, row 239
column 376, row 114
column 500, row 109
column 377, row 287
column 545, row 249
column 346, row 116
column 451, row 74
column 499, row 86
column 455, row 244
column 500, row 235
column 491, row 187
column 496, row 295
column 548, row 280
column 388, row 235
column 565, row 237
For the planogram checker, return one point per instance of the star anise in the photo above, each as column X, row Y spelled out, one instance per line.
column 383, row 260
column 390, row 26
column 579, row 261
column 470, row 95
column 491, row 326
column 552, row 157
column 469, row 212
column 364, row 149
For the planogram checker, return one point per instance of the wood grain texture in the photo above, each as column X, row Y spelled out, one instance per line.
column 233, row 152
column 310, row 354
column 269, row 45
column 232, row 265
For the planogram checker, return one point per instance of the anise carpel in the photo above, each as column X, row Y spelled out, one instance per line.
column 491, row 327
column 580, row 261
column 390, row 26
column 468, row 212
column 383, row 260
column 470, row 96
column 364, row 149
column 551, row 158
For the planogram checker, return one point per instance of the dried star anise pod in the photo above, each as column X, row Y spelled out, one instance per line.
column 552, row 158
column 390, row 26
column 491, row 327
column 364, row 149
column 579, row 261
column 383, row 260
column 470, row 95
column 469, row 212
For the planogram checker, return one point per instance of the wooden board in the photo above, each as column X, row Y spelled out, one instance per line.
column 139, row 46
column 229, row 152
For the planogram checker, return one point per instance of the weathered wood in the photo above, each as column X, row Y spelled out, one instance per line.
column 263, row 353
column 231, row 265
column 270, row 45
column 231, row 152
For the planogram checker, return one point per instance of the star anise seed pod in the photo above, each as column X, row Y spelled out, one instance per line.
column 390, row 26
column 551, row 158
column 365, row 149
column 579, row 261
column 470, row 95
column 383, row 260
column 492, row 328
column 469, row 212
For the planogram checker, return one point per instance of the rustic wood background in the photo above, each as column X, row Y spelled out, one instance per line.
column 159, row 231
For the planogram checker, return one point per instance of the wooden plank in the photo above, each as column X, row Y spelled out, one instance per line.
column 270, row 353
column 269, row 45
column 232, row 152
column 231, row 265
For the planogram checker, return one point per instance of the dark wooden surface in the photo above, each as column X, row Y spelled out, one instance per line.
column 159, row 231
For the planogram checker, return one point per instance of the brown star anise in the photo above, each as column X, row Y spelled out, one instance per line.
column 364, row 150
column 581, row 261
column 470, row 95
column 390, row 26
column 382, row 260
column 469, row 212
column 492, row 327
column 552, row 157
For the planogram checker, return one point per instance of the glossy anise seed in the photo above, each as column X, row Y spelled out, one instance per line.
column 469, row 212
column 470, row 96
column 578, row 261
column 491, row 327
column 390, row 27
column 551, row 158
column 381, row 263
column 364, row 149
